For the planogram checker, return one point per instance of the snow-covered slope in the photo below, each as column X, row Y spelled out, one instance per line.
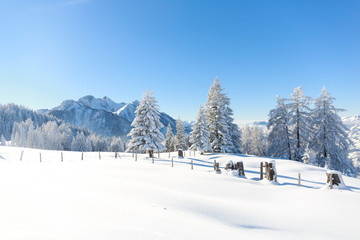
column 351, row 121
column 126, row 199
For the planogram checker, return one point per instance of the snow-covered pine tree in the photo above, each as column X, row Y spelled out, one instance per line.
column 169, row 141
column 200, row 136
column 299, row 119
column 146, row 135
column 330, row 140
column 279, row 136
column 180, row 141
column 217, row 117
column 258, row 147
column 246, row 139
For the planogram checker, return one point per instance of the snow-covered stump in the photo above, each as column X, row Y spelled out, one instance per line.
column 229, row 165
column 270, row 171
column 239, row 165
column 334, row 180
column 180, row 153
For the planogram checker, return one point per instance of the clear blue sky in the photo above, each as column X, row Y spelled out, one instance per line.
column 64, row 49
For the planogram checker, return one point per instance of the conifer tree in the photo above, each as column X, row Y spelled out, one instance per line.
column 180, row 142
column 200, row 136
column 279, row 136
column 246, row 139
column 146, row 135
column 299, row 119
column 258, row 147
column 330, row 141
column 169, row 141
column 217, row 117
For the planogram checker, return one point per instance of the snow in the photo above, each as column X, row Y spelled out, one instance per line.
column 120, row 198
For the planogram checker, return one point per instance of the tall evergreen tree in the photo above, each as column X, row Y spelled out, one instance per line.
column 146, row 135
column 246, row 139
column 330, row 141
column 299, row 119
column 217, row 117
column 200, row 136
column 279, row 136
column 258, row 147
column 180, row 141
column 169, row 141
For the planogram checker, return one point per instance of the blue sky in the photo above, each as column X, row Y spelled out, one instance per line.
column 64, row 49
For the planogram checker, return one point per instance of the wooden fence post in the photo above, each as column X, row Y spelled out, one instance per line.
column 172, row 162
column 159, row 154
column 152, row 159
column 132, row 154
column 169, row 154
column 99, row 156
column 135, row 157
column 21, row 156
column 214, row 165
column 40, row 157
column 62, row 158
column 192, row 166
column 299, row 179
column 82, row 156
column 261, row 171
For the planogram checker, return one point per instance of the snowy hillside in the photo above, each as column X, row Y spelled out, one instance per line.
column 122, row 198
column 102, row 115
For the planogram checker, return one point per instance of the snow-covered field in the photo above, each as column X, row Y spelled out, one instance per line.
column 127, row 199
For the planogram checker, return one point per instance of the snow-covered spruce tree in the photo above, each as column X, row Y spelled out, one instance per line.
column 169, row 141
column 279, row 136
column 217, row 117
column 258, row 146
column 146, row 135
column 200, row 136
column 246, row 139
column 180, row 141
column 330, row 140
column 299, row 119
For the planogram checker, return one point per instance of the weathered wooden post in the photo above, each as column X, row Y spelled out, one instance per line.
column 21, row 156
column 62, row 158
column 192, row 167
column 99, row 156
column 135, row 157
column 214, row 165
column 229, row 165
column 169, row 154
column 270, row 171
column 172, row 162
column 299, row 176
column 333, row 178
column 180, row 153
column 82, row 156
column 152, row 159
column 240, row 167
column 40, row 157
column 217, row 167
column 261, row 170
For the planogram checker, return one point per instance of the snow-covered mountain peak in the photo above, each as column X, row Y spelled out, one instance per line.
column 351, row 121
column 104, row 103
column 67, row 105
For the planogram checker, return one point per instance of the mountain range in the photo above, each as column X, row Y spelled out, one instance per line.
column 105, row 117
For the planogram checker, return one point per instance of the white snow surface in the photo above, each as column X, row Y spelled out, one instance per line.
column 120, row 198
